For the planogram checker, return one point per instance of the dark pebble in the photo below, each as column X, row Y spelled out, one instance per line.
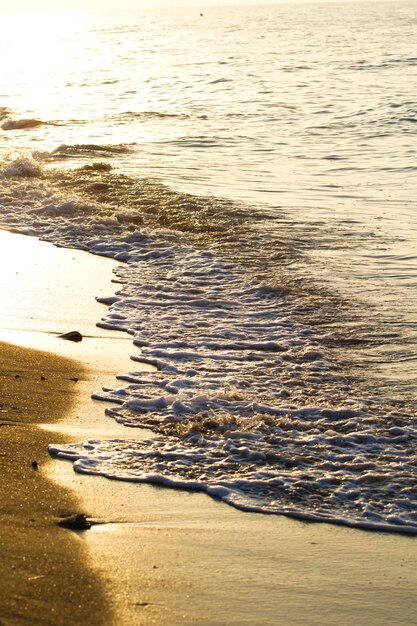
column 73, row 335
column 78, row 521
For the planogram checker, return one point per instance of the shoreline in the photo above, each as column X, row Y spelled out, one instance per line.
column 175, row 557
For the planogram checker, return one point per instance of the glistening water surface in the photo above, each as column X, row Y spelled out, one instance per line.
column 254, row 170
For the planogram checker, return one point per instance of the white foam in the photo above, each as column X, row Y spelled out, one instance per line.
column 248, row 403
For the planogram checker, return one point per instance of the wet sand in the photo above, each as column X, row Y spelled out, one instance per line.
column 46, row 576
column 173, row 557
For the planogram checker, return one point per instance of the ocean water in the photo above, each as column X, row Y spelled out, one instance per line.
column 253, row 169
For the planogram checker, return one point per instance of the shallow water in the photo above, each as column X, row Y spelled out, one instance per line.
column 257, row 180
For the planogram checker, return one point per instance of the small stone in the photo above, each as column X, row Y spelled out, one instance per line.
column 35, row 466
column 73, row 335
column 78, row 521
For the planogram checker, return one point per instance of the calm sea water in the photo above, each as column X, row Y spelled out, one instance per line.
column 255, row 170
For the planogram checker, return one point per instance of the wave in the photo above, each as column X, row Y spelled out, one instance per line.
column 65, row 151
column 24, row 124
column 246, row 400
column 153, row 114
column 395, row 118
column 217, row 81
column 21, row 167
column 248, row 404
column 389, row 63
column 170, row 463
column 198, row 142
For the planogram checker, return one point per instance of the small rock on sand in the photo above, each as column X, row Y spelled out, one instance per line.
column 73, row 335
column 78, row 521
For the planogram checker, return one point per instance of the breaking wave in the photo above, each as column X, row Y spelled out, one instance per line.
column 247, row 401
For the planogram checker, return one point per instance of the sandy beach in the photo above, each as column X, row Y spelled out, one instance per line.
column 158, row 556
column 46, row 577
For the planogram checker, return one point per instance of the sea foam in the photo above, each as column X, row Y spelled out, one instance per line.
column 246, row 402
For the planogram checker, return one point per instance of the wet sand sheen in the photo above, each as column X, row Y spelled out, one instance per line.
column 45, row 577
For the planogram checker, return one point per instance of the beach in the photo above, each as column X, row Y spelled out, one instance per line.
column 154, row 555
column 45, row 575
column 267, row 277
column 220, row 202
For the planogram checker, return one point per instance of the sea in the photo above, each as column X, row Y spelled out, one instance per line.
column 253, row 170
